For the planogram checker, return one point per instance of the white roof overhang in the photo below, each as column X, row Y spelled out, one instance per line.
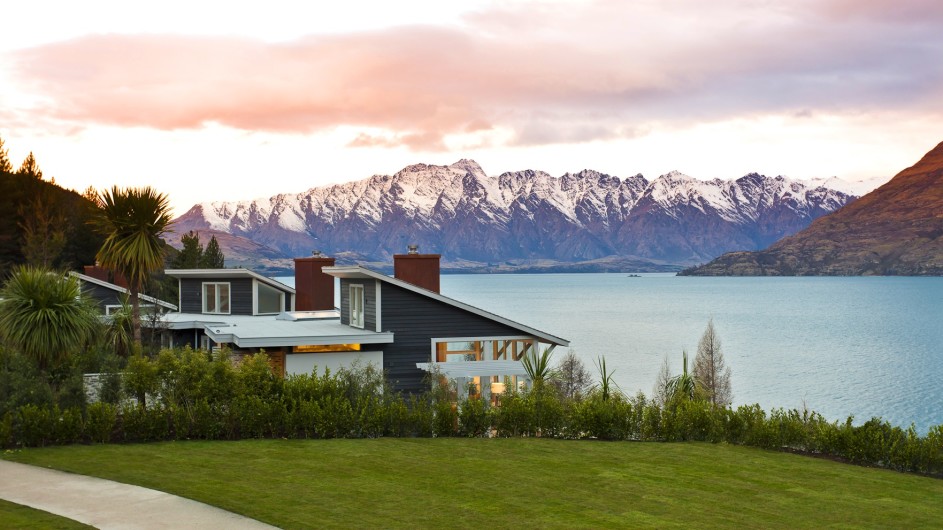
column 475, row 368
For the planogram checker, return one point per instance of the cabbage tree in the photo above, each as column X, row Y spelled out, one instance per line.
column 133, row 221
column 45, row 315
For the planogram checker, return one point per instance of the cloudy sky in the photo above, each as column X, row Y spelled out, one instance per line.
column 240, row 100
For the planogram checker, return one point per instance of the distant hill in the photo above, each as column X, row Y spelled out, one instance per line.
column 896, row 229
column 520, row 220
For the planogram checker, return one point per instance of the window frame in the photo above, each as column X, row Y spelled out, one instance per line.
column 216, row 298
column 256, row 287
column 357, row 301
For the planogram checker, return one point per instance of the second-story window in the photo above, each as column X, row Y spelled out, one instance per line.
column 356, row 306
column 216, row 298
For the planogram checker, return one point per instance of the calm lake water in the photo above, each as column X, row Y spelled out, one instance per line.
column 843, row 347
column 840, row 346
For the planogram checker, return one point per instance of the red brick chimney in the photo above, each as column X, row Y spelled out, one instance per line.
column 314, row 290
column 100, row 273
column 417, row 269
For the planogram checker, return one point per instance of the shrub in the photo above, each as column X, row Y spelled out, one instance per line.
column 603, row 419
column 399, row 419
column 68, row 425
column 445, row 421
column 35, row 425
column 140, row 379
column 474, row 418
column 6, row 430
column 100, row 422
column 421, row 416
column 140, row 424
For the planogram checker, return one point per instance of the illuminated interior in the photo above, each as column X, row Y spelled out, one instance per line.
column 485, row 350
column 322, row 348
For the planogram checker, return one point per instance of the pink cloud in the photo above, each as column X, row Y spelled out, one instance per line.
column 549, row 74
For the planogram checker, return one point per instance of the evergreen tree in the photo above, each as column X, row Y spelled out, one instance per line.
column 30, row 167
column 43, row 228
column 191, row 255
column 213, row 257
column 710, row 370
column 5, row 165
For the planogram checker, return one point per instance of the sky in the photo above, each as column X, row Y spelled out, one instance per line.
column 213, row 101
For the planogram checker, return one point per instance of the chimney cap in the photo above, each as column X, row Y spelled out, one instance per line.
column 413, row 249
column 316, row 253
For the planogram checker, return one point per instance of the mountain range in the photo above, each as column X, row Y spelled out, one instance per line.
column 896, row 229
column 520, row 219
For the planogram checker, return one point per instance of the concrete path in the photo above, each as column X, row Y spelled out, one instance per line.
column 105, row 504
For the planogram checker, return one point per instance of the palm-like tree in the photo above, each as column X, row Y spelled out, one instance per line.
column 537, row 366
column 132, row 221
column 683, row 385
column 45, row 315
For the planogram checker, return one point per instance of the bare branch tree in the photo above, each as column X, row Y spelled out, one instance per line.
column 661, row 394
column 710, row 370
column 572, row 377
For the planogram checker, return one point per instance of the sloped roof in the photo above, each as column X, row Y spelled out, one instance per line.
column 358, row 272
column 228, row 274
column 120, row 289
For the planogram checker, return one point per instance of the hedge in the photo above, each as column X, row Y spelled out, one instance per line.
column 186, row 394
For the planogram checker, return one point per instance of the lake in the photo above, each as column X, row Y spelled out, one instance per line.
column 842, row 346
column 861, row 346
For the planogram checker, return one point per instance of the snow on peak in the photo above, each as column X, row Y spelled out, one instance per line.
column 432, row 195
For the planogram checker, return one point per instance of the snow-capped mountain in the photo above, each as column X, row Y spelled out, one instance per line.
column 464, row 214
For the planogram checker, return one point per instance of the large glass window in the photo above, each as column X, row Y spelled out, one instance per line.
column 270, row 300
column 356, row 306
column 483, row 350
column 216, row 298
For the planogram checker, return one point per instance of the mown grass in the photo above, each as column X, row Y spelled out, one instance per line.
column 511, row 483
column 17, row 516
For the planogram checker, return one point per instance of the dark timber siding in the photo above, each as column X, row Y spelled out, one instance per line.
column 103, row 295
column 240, row 295
column 369, row 302
column 414, row 320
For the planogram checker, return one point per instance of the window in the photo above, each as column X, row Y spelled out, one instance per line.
column 269, row 300
column 356, row 306
column 216, row 298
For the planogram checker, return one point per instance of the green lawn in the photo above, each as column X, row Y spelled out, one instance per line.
column 23, row 517
column 511, row 483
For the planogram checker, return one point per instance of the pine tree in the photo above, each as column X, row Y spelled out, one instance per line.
column 5, row 165
column 43, row 228
column 710, row 370
column 213, row 257
column 191, row 255
column 30, row 167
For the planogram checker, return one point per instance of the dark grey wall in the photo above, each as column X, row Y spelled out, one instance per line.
column 103, row 295
column 414, row 320
column 369, row 302
column 240, row 295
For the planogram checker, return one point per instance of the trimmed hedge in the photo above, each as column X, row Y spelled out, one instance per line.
column 186, row 394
